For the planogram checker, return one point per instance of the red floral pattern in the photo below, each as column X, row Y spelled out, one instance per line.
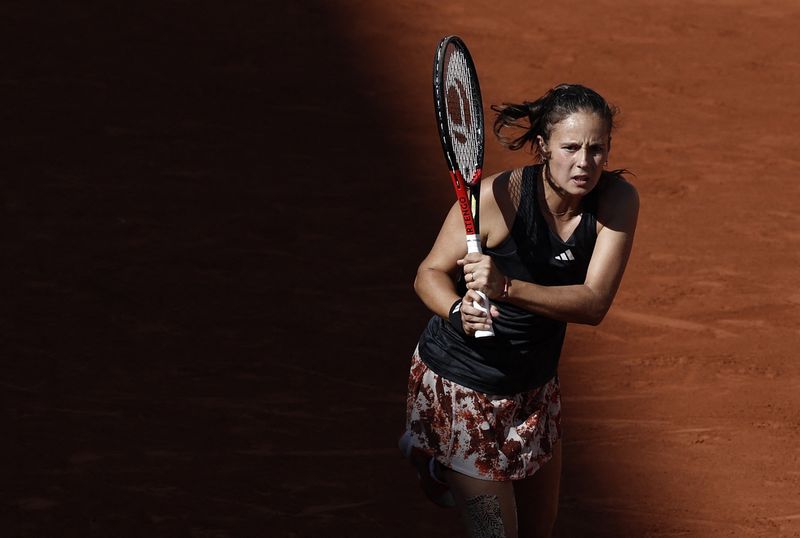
column 485, row 436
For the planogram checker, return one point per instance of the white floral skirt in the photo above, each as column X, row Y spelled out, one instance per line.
column 484, row 436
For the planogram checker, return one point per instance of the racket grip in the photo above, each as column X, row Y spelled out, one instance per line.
column 483, row 306
column 474, row 245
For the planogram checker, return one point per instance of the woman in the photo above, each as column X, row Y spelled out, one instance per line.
column 483, row 414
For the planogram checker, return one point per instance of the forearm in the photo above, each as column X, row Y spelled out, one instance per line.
column 436, row 289
column 573, row 304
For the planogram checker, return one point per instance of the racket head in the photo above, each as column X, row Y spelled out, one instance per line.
column 459, row 109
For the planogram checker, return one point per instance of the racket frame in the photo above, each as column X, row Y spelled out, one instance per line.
column 467, row 189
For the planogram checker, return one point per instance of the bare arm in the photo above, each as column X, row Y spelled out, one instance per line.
column 435, row 281
column 581, row 303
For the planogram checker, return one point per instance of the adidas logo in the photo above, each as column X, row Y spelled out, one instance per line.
column 566, row 256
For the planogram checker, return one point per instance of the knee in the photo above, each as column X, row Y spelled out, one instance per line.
column 484, row 517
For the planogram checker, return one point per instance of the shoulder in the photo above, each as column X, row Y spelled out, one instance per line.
column 498, row 205
column 499, row 185
column 493, row 187
column 618, row 199
column 615, row 190
column 494, row 181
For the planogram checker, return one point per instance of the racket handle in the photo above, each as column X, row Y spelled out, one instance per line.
column 483, row 306
column 474, row 245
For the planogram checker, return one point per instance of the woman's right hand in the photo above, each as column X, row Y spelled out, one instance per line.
column 474, row 319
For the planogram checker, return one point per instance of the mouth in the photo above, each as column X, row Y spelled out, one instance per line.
column 581, row 178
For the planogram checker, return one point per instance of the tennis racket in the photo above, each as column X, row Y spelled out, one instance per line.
column 459, row 115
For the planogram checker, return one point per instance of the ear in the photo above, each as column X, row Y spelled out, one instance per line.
column 543, row 149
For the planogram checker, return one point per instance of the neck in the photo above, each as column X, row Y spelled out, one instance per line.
column 558, row 202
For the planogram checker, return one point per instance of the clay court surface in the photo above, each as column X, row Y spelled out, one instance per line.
column 212, row 216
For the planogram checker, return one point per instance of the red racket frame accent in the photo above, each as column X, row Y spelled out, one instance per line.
column 465, row 199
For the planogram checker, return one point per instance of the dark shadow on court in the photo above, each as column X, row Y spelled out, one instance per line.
column 208, row 277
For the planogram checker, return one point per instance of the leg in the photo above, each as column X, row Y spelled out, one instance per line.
column 431, row 484
column 487, row 507
column 537, row 498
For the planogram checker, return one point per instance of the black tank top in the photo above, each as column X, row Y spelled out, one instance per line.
column 526, row 347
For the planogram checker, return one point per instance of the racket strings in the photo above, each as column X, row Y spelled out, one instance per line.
column 464, row 115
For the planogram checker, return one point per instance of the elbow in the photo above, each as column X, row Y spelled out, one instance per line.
column 597, row 313
column 419, row 280
column 595, row 305
column 594, row 319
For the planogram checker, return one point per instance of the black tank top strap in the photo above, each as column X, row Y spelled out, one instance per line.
column 527, row 223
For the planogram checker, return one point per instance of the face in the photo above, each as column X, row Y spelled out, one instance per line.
column 577, row 149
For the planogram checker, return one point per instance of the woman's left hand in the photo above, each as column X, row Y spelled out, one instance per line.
column 482, row 274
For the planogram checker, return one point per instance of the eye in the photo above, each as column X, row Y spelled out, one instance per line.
column 597, row 148
column 571, row 147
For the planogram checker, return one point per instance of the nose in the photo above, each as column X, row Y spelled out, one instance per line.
column 584, row 159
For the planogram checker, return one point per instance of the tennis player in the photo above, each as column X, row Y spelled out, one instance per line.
column 483, row 414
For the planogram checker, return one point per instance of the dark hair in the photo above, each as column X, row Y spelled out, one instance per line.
column 539, row 117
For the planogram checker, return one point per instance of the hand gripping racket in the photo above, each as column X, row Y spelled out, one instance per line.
column 459, row 115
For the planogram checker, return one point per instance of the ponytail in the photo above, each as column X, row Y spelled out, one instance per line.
column 537, row 118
